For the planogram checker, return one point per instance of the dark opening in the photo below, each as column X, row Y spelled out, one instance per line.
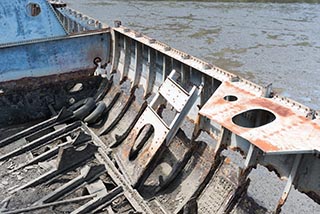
column 230, row 98
column 145, row 134
column 33, row 9
column 253, row 118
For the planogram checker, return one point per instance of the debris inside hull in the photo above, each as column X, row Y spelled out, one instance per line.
column 61, row 165
column 128, row 124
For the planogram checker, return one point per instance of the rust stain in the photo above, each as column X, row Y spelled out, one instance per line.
column 308, row 121
column 227, row 160
column 265, row 103
column 265, row 146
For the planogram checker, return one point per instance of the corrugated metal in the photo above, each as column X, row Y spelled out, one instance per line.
column 17, row 24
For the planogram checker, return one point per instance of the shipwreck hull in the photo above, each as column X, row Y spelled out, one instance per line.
column 135, row 144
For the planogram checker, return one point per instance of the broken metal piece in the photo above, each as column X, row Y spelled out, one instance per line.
column 97, row 187
column 41, row 141
column 105, row 199
column 289, row 184
column 56, row 203
column 79, row 139
column 88, row 174
column 63, row 115
column 68, row 158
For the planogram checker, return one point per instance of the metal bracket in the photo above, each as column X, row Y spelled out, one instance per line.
column 137, row 168
column 289, row 184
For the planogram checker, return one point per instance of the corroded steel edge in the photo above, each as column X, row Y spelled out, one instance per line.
column 210, row 70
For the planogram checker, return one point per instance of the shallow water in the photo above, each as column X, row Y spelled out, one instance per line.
column 263, row 42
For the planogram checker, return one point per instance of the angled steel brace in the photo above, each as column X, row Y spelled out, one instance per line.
column 289, row 184
column 140, row 165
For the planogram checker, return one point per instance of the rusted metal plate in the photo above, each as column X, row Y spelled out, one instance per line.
column 289, row 132
column 136, row 167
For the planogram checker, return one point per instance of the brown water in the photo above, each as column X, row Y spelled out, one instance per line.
column 263, row 42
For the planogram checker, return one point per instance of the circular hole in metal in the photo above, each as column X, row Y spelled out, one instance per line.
column 230, row 98
column 253, row 118
column 33, row 9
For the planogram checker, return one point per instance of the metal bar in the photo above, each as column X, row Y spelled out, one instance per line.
column 28, row 131
column 127, row 42
column 251, row 159
column 43, row 140
column 166, row 67
column 151, row 72
column 174, row 126
column 119, row 117
column 88, row 174
column 57, row 203
column 115, row 51
column 138, row 65
column 44, row 156
column 185, row 74
column 81, row 138
column 289, row 184
column 104, row 199
column 65, row 164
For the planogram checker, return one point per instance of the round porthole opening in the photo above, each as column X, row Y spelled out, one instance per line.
column 33, row 9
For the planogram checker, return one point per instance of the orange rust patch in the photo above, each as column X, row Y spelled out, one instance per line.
column 227, row 160
column 265, row 146
column 280, row 110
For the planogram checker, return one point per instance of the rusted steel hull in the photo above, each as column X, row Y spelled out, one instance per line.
column 131, row 125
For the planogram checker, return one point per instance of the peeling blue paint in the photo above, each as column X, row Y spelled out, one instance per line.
column 59, row 55
column 17, row 23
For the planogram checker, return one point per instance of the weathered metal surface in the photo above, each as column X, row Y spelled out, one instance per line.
column 221, row 187
column 276, row 132
column 76, row 22
column 136, row 156
column 195, row 71
column 191, row 68
column 87, row 159
column 54, row 56
column 27, row 99
column 23, row 20
column 290, row 132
